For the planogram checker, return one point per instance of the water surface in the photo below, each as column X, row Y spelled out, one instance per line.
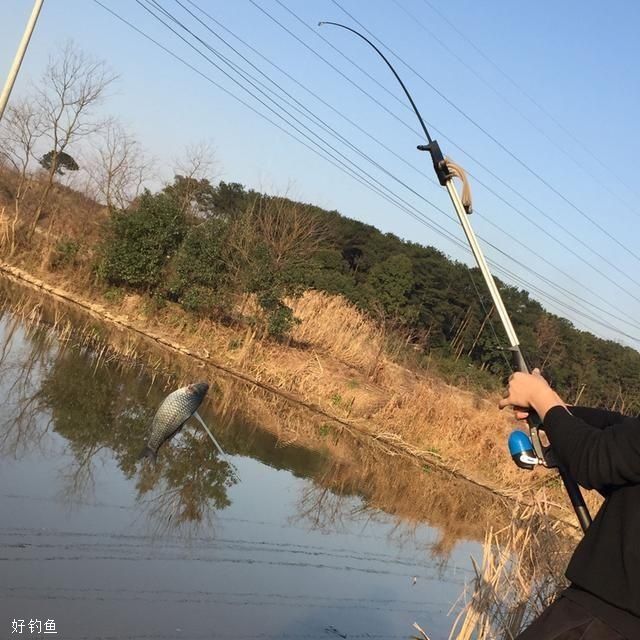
column 319, row 538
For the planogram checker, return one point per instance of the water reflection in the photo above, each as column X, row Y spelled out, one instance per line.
column 321, row 538
column 96, row 408
column 102, row 411
column 19, row 378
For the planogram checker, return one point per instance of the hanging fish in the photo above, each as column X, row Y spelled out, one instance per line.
column 174, row 411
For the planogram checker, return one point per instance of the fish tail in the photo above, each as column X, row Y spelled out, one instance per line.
column 148, row 452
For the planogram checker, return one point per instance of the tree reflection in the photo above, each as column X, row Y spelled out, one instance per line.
column 185, row 488
column 409, row 495
column 23, row 358
column 99, row 408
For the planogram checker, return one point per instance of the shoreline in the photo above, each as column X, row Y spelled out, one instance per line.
column 392, row 443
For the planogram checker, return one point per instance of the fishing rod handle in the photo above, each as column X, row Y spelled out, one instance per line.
column 533, row 420
column 576, row 498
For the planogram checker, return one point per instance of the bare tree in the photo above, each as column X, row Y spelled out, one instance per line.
column 71, row 87
column 289, row 232
column 198, row 163
column 20, row 130
column 119, row 169
column 292, row 233
column 271, row 239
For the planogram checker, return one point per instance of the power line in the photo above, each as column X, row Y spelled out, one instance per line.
column 437, row 228
column 531, row 99
column 575, row 237
column 430, row 224
column 562, row 303
column 333, row 132
column 366, row 157
column 424, row 174
column 243, row 102
column 512, row 106
column 547, row 216
column 420, row 218
column 495, row 140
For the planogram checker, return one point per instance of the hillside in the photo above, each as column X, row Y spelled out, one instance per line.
column 207, row 246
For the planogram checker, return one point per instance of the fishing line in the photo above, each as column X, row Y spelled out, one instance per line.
column 218, row 447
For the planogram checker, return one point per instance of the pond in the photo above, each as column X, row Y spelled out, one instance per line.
column 319, row 536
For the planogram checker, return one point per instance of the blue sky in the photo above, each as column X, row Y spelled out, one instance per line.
column 577, row 59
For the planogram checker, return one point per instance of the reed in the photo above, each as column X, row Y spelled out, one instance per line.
column 521, row 573
column 334, row 326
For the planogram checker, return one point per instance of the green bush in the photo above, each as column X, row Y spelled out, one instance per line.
column 200, row 279
column 281, row 321
column 115, row 296
column 142, row 241
column 198, row 299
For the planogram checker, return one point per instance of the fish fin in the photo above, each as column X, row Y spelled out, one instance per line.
column 148, row 452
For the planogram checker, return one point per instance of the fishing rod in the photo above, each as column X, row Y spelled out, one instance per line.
column 527, row 451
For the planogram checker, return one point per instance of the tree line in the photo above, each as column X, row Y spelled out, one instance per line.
column 202, row 244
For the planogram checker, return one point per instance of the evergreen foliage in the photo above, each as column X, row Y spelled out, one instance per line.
column 201, row 275
column 141, row 241
column 63, row 162
column 243, row 243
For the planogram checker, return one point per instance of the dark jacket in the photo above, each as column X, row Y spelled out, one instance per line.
column 601, row 450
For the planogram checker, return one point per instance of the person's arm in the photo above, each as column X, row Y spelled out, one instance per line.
column 598, row 418
column 598, row 458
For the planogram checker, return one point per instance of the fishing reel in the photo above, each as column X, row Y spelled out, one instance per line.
column 521, row 450
column 527, row 451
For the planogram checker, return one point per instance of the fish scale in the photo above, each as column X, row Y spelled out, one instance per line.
column 174, row 411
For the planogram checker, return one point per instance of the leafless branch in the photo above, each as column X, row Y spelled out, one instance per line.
column 119, row 169
column 20, row 131
column 72, row 85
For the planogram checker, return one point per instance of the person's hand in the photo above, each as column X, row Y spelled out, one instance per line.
column 529, row 391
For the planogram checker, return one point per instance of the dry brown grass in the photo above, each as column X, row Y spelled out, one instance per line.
column 454, row 423
column 334, row 326
column 520, row 575
column 68, row 214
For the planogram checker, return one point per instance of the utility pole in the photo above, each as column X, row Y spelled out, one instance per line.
column 17, row 61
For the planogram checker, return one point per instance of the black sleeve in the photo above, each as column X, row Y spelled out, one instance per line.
column 596, row 458
column 599, row 418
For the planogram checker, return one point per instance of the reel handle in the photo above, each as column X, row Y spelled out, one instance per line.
column 544, row 455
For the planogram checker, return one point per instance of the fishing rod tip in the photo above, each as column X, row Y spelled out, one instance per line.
column 320, row 23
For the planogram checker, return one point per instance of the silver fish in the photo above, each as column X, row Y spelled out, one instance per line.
column 174, row 411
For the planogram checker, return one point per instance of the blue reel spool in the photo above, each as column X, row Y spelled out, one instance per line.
column 521, row 450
